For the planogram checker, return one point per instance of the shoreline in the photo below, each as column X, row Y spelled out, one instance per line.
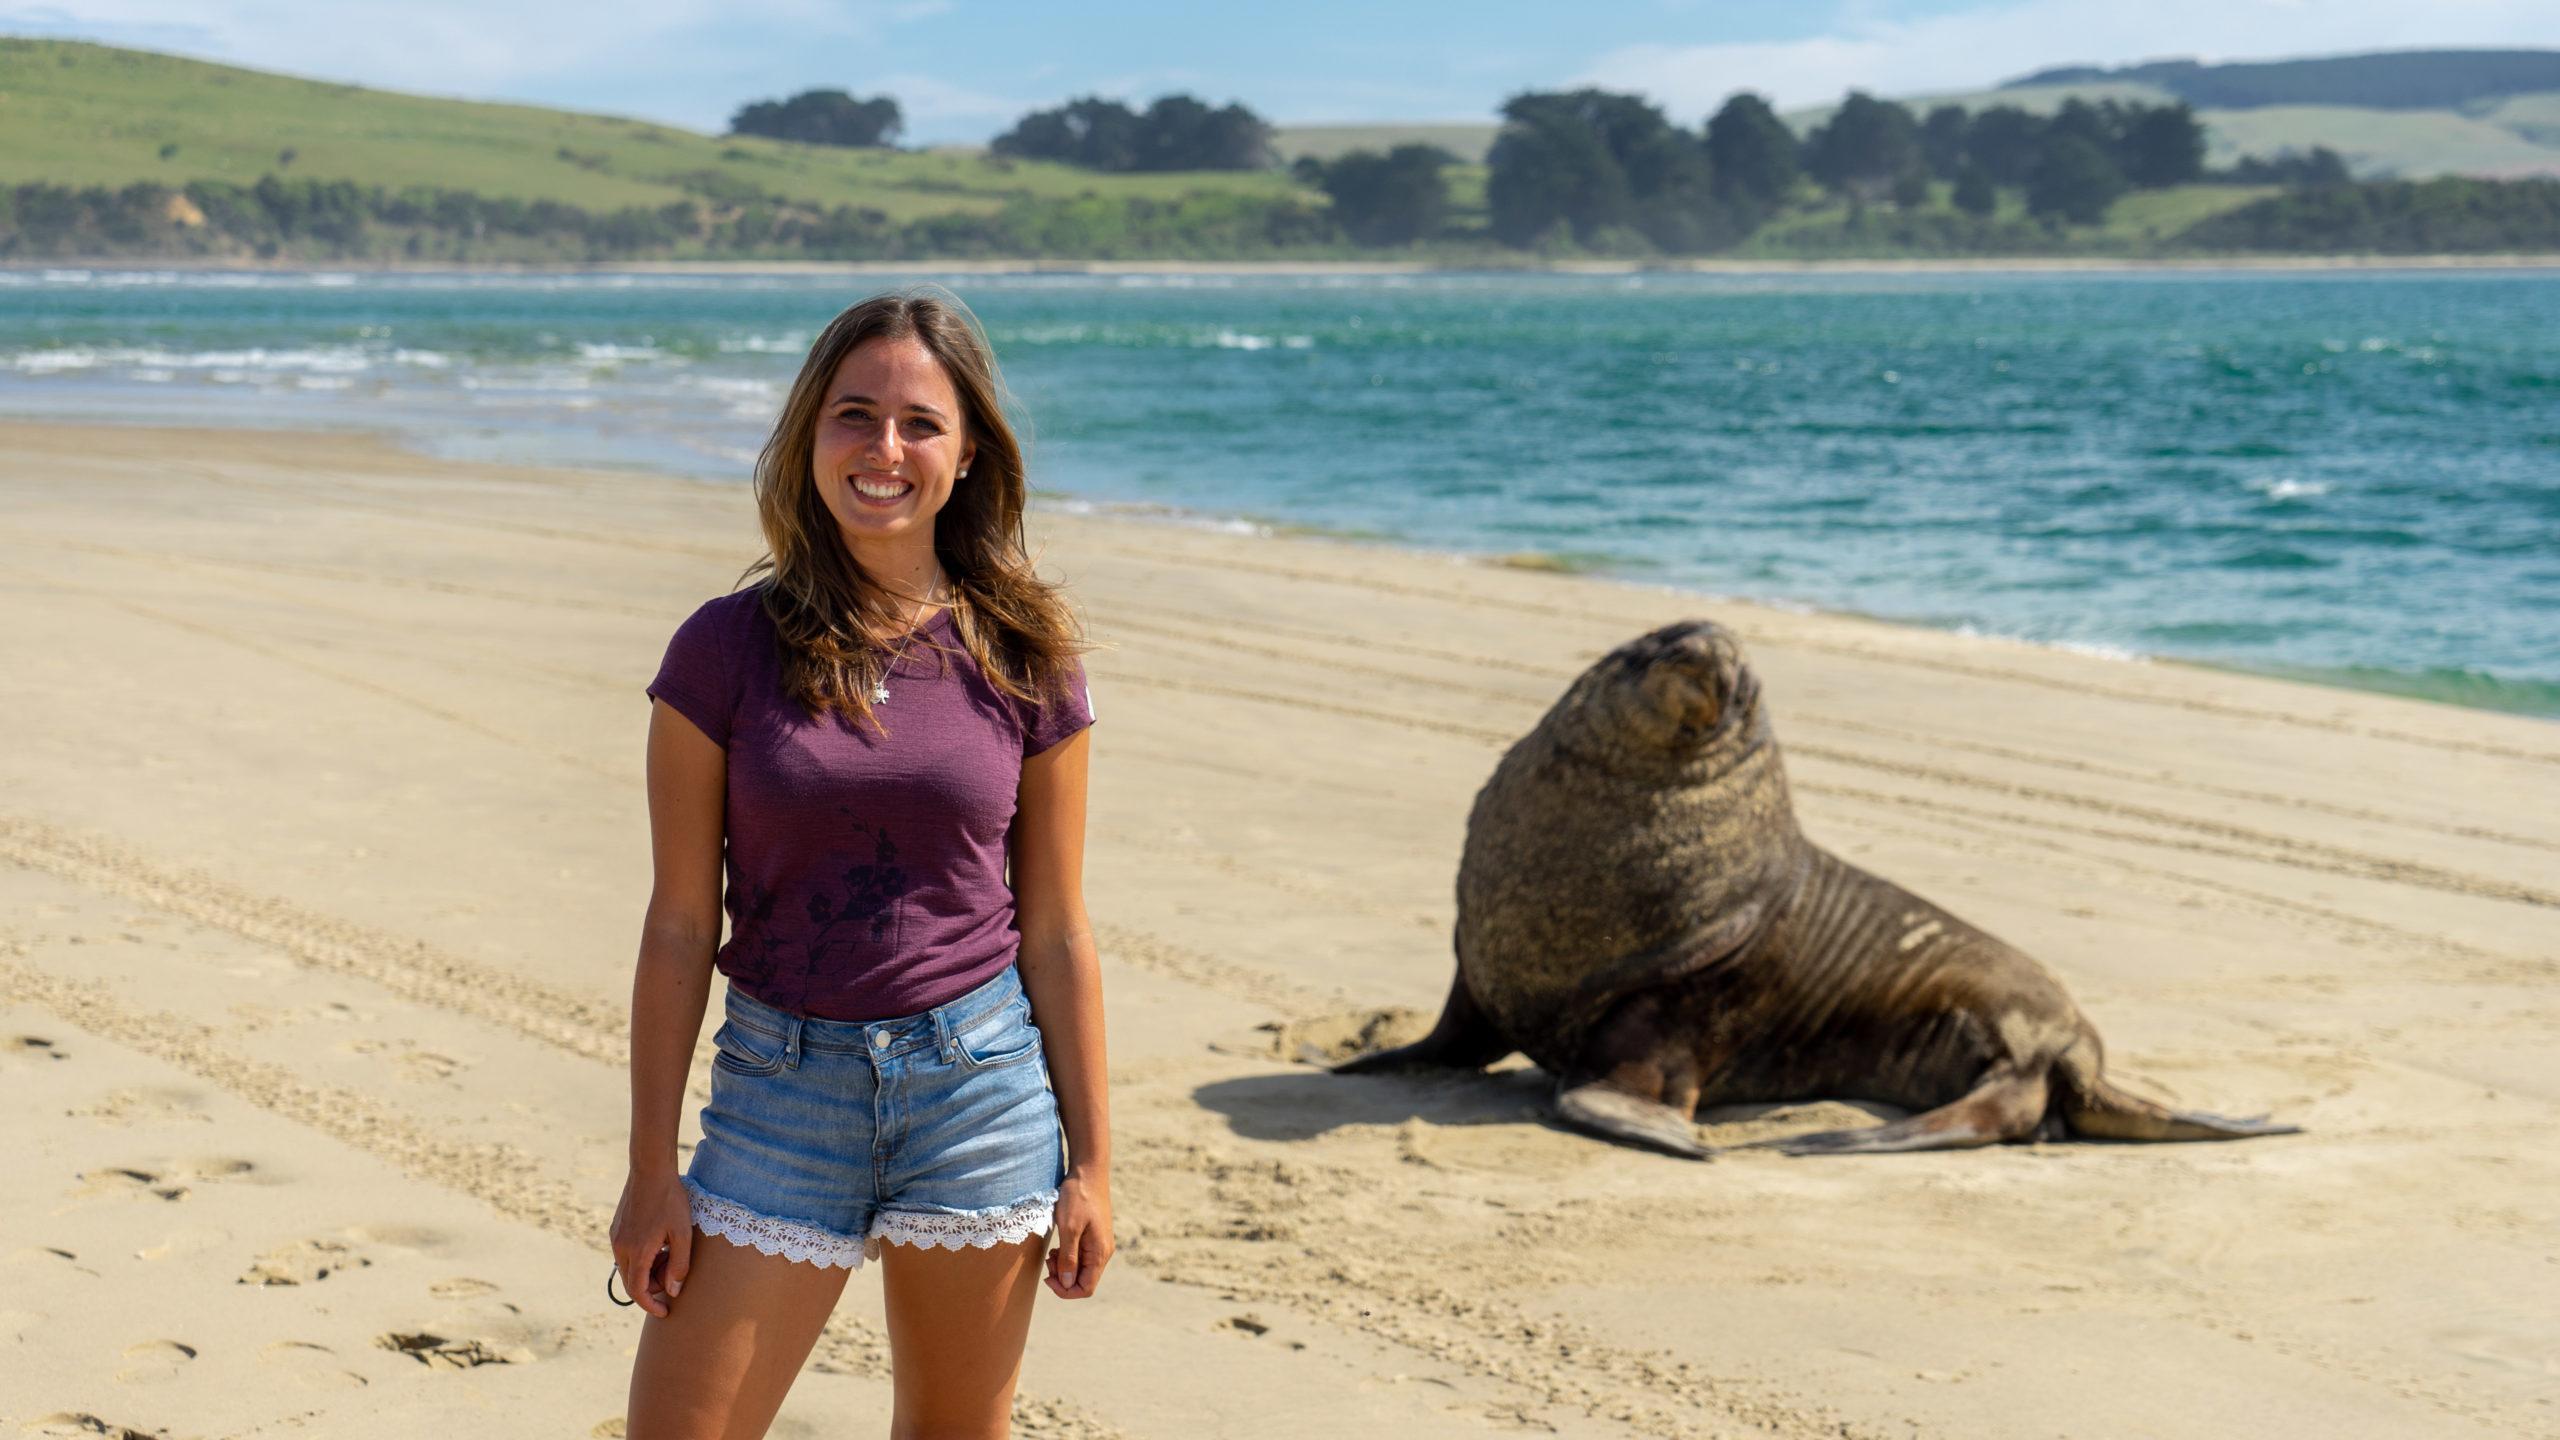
column 2052, row 264
column 1267, row 529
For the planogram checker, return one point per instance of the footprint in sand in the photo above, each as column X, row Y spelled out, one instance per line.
column 81, row 1423
column 154, row 1360
column 188, row 1240
column 309, row 1366
column 173, row 1181
column 304, row 1262
column 45, row 1261
column 426, row 1065
column 1329, row 1039
column 461, row 1287
column 441, row 1352
column 147, row 1106
column 29, row 1049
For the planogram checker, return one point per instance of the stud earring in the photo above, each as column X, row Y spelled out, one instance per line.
column 964, row 472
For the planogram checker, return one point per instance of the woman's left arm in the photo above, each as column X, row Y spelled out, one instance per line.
column 1063, row 976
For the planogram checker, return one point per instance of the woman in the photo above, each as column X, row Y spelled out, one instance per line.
column 876, row 733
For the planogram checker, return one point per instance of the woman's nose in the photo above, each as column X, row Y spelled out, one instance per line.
column 881, row 446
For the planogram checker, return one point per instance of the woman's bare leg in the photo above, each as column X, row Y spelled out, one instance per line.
column 957, row 1321
column 717, row 1366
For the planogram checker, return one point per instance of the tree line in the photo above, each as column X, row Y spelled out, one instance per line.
column 1176, row 132
column 308, row 219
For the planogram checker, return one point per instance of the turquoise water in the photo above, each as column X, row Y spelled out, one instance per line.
column 2347, row 477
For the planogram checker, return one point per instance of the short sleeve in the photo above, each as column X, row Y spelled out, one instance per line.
column 1068, row 709
column 699, row 676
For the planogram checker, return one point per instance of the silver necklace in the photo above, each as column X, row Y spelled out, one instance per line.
column 880, row 686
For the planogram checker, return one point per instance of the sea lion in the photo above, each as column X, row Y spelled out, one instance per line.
column 1638, row 911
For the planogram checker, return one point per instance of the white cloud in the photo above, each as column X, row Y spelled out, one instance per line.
column 1977, row 48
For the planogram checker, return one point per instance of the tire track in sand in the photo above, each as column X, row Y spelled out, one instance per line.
column 505, row 1178
column 2269, row 848
column 1648, row 1391
column 410, row 969
column 1211, row 642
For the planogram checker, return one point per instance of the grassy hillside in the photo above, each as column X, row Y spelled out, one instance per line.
column 79, row 114
column 2388, row 80
column 1468, row 142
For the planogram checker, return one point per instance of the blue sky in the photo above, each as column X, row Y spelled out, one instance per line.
column 964, row 68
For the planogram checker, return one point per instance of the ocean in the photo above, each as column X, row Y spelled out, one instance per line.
column 2346, row 477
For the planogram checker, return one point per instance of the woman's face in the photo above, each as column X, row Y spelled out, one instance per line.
column 890, row 443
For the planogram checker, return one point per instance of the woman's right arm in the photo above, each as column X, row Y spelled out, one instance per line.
column 688, row 789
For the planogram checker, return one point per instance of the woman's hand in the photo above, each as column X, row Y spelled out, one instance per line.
column 1084, row 1237
column 654, row 1218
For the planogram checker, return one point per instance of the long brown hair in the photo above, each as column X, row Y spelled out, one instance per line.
column 1015, row 625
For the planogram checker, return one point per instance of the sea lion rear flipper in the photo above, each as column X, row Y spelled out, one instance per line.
column 2007, row 1106
column 2103, row 1112
column 1603, row 1108
column 1464, row 1039
column 2097, row 1110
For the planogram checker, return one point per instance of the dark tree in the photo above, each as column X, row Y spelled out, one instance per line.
column 1092, row 132
column 2081, row 120
column 822, row 117
column 1598, row 161
column 1177, row 132
column 2323, row 166
column 1752, row 153
column 2003, row 141
column 1942, row 140
column 1974, row 193
column 1911, row 189
column 1391, row 199
column 2163, row 145
column 2074, row 181
column 1865, row 146
column 1550, row 170
column 1180, row 133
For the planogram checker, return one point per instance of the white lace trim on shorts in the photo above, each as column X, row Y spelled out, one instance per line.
column 790, row 1239
column 950, row 1229
column 808, row 1244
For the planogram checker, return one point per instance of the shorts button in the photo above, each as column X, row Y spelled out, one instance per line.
column 880, row 1040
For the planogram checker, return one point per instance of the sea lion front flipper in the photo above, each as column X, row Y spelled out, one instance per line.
column 1595, row 994
column 1464, row 1039
column 2009, row 1105
column 1604, row 1109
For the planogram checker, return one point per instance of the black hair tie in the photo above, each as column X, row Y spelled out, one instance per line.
column 609, row 1277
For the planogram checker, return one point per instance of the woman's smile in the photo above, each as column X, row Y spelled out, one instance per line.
column 881, row 491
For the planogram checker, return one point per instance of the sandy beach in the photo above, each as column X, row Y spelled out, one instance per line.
column 323, row 853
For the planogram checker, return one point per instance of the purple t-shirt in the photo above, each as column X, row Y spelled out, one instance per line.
column 866, row 872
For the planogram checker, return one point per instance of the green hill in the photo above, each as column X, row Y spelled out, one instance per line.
column 80, row 114
column 2390, row 80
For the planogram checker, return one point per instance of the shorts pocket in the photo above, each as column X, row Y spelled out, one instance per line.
column 743, row 1051
column 1006, row 1037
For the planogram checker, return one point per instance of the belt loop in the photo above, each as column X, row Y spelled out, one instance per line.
column 791, row 1040
column 943, row 1044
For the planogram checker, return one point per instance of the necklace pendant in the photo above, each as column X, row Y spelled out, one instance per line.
column 880, row 694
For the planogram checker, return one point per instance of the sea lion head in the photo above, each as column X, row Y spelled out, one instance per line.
column 1677, row 696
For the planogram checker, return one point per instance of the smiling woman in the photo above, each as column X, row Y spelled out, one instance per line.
column 907, row 936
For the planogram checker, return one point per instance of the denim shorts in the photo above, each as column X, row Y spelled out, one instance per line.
column 826, row 1138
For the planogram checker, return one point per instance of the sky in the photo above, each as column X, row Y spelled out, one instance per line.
column 963, row 70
